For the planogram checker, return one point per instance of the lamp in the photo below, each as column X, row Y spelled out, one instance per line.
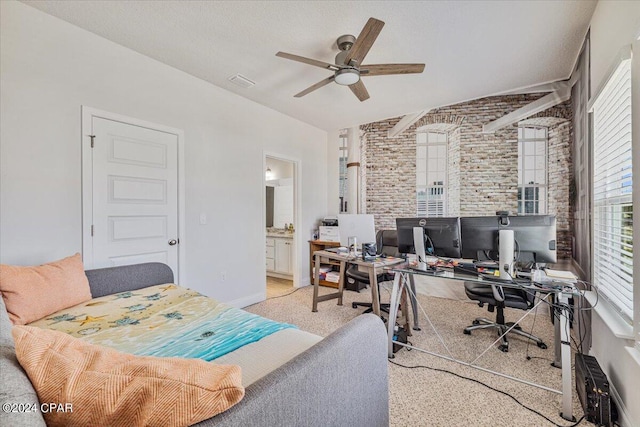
column 347, row 76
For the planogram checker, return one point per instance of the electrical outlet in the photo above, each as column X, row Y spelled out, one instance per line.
column 203, row 218
column 223, row 275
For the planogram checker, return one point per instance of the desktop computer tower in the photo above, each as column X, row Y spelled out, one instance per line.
column 593, row 391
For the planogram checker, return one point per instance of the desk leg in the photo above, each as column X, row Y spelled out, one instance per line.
column 341, row 281
column 565, row 343
column 398, row 283
column 375, row 294
column 316, row 284
column 414, row 303
column 557, row 340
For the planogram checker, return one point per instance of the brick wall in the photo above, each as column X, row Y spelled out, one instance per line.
column 482, row 168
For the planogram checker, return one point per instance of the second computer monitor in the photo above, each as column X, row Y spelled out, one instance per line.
column 443, row 235
column 360, row 226
column 534, row 235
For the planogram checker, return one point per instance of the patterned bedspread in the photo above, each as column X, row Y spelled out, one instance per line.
column 164, row 320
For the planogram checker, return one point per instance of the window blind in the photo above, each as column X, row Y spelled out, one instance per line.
column 612, row 191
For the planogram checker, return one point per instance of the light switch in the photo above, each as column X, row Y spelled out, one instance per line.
column 203, row 218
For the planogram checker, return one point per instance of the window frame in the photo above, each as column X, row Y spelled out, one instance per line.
column 607, row 291
column 342, row 171
column 522, row 160
column 426, row 188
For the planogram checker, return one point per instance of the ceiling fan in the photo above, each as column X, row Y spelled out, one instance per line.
column 348, row 67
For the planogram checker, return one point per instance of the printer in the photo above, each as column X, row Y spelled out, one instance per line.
column 330, row 221
column 329, row 229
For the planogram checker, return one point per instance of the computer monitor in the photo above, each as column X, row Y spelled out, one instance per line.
column 534, row 235
column 360, row 226
column 443, row 235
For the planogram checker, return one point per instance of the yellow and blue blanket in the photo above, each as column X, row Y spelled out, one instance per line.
column 163, row 320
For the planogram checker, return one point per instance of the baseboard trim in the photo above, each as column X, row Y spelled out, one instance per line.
column 624, row 418
column 306, row 281
column 249, row 300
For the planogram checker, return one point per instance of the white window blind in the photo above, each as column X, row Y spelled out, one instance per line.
column 612, row 191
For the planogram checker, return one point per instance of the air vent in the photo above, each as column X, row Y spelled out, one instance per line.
column 241, row 81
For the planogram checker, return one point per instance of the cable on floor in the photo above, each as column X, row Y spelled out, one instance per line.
column 491, row 388
column 284, row 295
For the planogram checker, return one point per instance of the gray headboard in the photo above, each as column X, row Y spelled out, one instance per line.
column 111, row 280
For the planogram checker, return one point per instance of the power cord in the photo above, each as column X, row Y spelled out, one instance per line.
column 491, row 388
column 284, row 295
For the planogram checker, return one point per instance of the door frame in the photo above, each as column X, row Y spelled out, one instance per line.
column 88, row 113
column 297, row 209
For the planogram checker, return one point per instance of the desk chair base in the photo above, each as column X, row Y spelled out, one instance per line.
column 383, row 306
column 484, row 323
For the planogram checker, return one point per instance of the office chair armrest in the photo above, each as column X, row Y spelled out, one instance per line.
column 498, row 293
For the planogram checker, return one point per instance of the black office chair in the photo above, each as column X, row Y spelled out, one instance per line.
column 387, row 244
column 499, row 297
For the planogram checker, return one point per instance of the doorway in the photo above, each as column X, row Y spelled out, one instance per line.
column 280, row 185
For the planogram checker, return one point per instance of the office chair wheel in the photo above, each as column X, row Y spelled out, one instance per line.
column 354, row 305
column 503, row 348
column 542, row 345
column 467, row 332
column 475, row 322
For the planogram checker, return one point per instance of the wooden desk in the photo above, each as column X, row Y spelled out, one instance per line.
column 373, row 267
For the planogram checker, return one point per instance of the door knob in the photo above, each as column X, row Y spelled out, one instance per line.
column 172, row 242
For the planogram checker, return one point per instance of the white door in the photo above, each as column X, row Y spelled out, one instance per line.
column 134, row 195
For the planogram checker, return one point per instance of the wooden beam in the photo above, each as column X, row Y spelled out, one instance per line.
column 547, row 101
column 405, row 123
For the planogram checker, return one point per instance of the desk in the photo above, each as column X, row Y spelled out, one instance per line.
column 562, row 289
column 319, row 245
column 373, row 267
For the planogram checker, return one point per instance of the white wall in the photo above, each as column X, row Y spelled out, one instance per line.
column 613, row 25
column 50, row 68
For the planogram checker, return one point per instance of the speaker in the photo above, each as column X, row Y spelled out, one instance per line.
column 369, row 251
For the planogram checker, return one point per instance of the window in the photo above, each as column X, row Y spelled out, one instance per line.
column 431, row 173
column 532, row 170
column 342, row 186
column 612, row 191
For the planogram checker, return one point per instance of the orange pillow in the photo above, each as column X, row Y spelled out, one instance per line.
column 101, row 386
column 31, row 293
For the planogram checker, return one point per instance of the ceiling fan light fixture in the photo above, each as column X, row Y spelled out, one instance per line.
column 347, row 76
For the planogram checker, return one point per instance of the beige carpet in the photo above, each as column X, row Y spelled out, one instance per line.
column 424, row 397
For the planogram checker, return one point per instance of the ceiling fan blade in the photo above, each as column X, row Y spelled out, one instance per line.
column 309, row 61
column 365, row 40
column 359, row 90
column 315, row 86
column 386, row 69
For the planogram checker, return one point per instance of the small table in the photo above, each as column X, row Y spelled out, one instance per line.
column 374, row 268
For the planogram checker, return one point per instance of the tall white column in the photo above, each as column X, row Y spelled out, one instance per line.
column 353, row 170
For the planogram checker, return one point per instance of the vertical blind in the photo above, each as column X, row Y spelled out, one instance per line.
column 612, row 191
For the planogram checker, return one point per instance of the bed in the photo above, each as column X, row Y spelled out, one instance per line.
column 291, row 378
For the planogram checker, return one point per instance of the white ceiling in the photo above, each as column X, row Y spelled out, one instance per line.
column 471, row 48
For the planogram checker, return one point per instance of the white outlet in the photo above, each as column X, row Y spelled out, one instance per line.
column 203, row 218
column 223, row 275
